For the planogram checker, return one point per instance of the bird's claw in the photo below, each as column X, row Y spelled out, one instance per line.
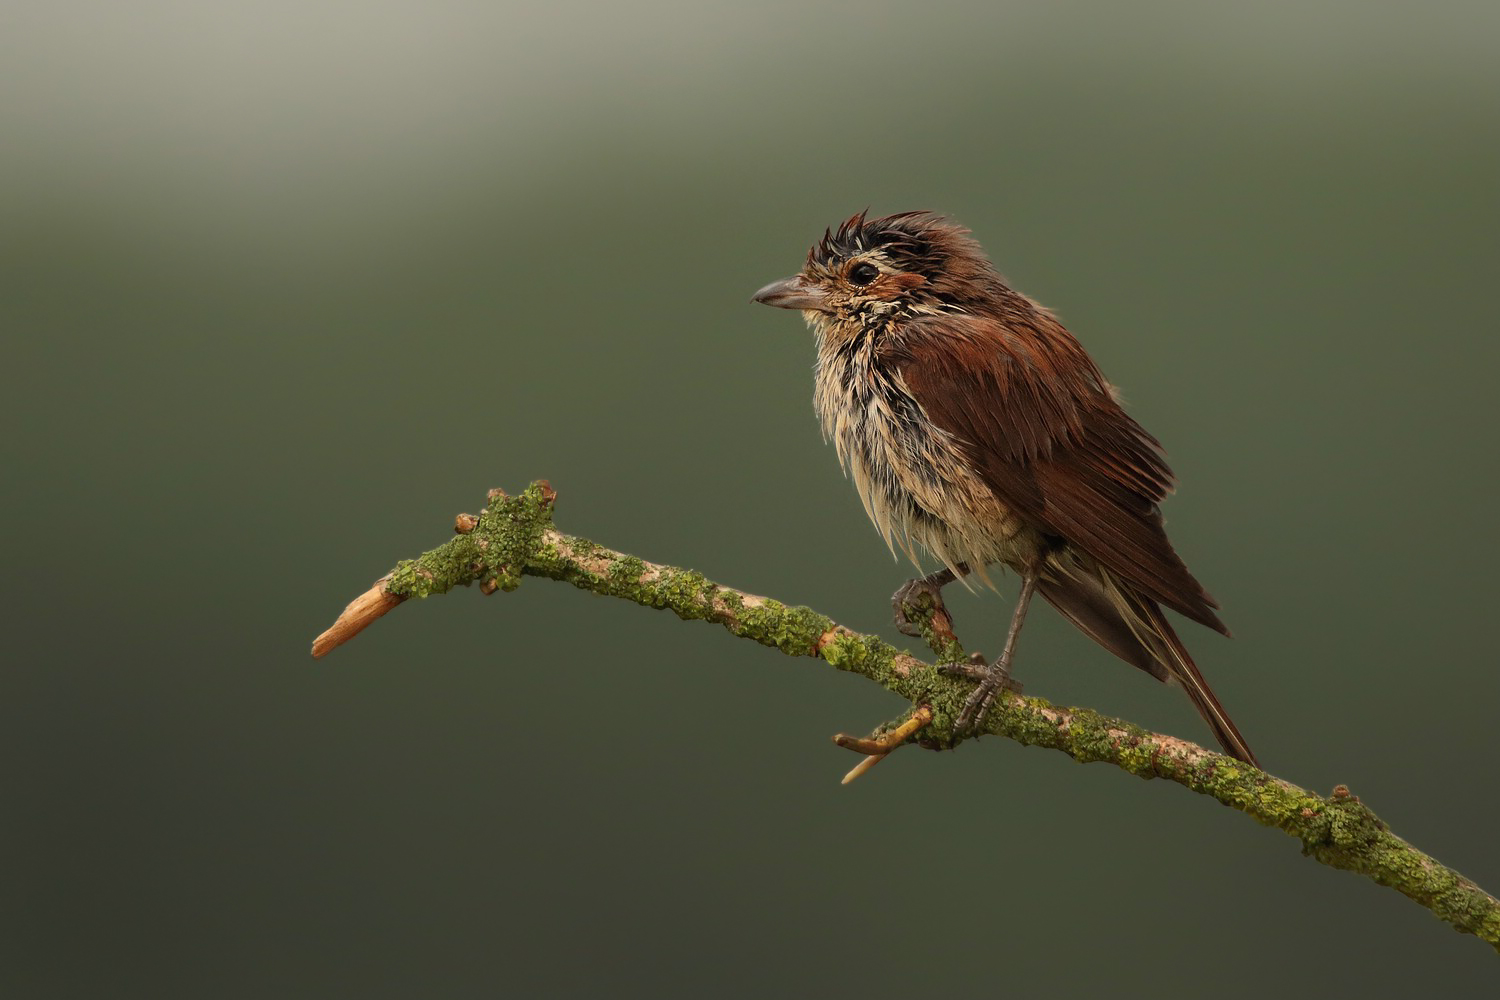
column 908, row 602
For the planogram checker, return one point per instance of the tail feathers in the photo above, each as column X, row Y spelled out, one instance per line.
column 1132, row 626
column 1083, row 601
column 1187, row 674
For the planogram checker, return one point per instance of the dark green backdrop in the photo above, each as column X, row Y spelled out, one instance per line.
column 283, row 291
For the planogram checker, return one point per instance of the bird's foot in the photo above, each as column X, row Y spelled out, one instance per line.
column 878, row 748
column 921, row 600
column 975, row 668
column 992, row 680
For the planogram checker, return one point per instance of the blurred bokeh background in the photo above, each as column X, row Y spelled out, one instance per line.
column 286, row 286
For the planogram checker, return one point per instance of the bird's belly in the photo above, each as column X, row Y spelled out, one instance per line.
column 919, row 490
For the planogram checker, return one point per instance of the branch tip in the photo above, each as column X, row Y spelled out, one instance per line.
column 360, row 612
column 880, row 747
column 862, row 767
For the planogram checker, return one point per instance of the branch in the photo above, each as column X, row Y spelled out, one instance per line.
column 514, row 537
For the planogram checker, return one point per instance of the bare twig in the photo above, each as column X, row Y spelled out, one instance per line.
column 360, row 612
column 882, row 745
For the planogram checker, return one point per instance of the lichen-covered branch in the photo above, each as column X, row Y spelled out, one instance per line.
column 515, row 537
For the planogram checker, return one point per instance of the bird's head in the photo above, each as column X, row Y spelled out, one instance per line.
column 867, row 269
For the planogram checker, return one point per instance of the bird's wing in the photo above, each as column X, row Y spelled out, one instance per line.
column 1045, row 431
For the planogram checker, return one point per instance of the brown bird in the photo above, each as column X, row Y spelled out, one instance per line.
column 976, row 427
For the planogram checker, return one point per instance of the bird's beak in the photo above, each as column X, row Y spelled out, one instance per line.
column 795, row 292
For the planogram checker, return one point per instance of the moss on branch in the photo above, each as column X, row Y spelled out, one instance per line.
column 515, row 537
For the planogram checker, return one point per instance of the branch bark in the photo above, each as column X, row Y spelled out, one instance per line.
column 515, row 537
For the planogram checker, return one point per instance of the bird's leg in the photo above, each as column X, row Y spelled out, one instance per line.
column 998, row 675
column 907, row 606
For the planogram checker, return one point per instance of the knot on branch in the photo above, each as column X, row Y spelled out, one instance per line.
column 1340, row 824
column 492, row 548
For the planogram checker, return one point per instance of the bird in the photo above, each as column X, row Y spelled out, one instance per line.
column 975, row 427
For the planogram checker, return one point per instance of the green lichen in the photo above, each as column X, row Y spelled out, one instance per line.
column 683, row 591
column 506, row 537
column 437, row 571
column 793, row 630
column 875, row 659
column 582, row 548
column 1024, row 721
column 1137, row 756
column 625, row 574
column 846, row 652
column 1089, row 737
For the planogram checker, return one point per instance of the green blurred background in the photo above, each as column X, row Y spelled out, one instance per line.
column 287, row 286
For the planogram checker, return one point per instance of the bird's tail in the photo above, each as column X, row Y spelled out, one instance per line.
column 1132, row 626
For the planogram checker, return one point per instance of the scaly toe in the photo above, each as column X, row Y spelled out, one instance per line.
column 973, row 712
column 992, row 681
column 969, row 671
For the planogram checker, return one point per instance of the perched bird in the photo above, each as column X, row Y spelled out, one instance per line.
column 976, row 427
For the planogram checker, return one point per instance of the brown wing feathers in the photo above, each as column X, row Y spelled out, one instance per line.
column 1043, row 427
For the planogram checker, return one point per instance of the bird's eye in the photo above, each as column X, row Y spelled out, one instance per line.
column 863, row 273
